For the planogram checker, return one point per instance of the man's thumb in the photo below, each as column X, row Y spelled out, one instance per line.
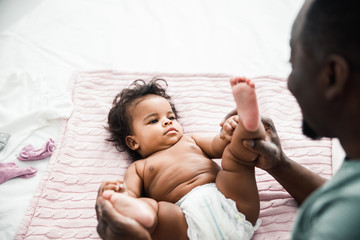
column 249, row 143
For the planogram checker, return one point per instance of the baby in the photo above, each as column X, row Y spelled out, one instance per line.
column 174, row 188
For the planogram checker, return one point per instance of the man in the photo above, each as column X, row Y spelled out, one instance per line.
column 325, row 80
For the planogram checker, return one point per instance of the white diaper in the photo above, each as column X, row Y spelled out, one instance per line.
column 209, row 215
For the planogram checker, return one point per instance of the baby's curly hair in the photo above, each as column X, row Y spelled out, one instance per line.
column 119, row 118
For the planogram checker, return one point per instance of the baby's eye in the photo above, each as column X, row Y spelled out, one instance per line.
column 153, row 121
column 171, row 118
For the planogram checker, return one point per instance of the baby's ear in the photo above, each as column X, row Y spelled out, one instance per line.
column 132, row 143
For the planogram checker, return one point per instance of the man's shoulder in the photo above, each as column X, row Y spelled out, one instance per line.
column 342, row 185
column 329, row 213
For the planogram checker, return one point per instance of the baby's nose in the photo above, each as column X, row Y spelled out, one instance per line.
column 168, row 122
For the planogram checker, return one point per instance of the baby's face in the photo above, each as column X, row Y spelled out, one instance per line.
column 154, row 124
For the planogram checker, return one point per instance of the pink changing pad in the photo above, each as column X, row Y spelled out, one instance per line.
column 63, row 205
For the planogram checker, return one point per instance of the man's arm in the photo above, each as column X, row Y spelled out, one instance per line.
column 296, row 179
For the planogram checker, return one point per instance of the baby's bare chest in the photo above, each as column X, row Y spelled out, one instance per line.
column 169, row 174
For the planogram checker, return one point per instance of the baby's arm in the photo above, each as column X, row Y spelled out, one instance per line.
column 131, row 185
column 214, row 146
column 133, row 180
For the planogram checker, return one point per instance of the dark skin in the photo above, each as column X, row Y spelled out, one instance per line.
column 273, row 160
column 296, row 179
column 334, row 89
column 152, row 115
column 113, row 224
column 322, row 88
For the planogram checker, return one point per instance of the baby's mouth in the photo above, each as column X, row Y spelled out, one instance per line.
column 170, row 130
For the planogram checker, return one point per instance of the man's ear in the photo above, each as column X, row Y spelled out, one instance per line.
column 132, row 143
column 337, row 74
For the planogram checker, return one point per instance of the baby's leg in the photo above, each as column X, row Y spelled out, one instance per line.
column 249, row 125
column 237, row 179
column 171, row 223
column 246, row 104
column 164, row 220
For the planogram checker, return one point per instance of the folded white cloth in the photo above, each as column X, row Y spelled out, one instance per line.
column 28, row 104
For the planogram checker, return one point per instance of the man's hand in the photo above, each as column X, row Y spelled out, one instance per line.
column 270, row 152
column 299, row 181
column 112, row 224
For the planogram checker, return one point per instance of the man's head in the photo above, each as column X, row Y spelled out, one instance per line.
column 127, row 103
column 325, row 57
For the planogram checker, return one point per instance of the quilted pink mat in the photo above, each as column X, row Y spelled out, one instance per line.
column 63, row 205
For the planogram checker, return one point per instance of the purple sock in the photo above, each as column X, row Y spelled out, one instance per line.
column 29, row 153
column 11, row 170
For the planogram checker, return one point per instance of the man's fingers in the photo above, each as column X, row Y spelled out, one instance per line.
column 97, row 208
column 101, row 228
column 121, row 226
column 268, row 122
column 258, row 146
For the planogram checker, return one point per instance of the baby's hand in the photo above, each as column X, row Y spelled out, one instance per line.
column 228, row 127
column 116, row 186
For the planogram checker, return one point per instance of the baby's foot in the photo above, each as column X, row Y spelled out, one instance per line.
column 246, row 104
column 131, row 207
